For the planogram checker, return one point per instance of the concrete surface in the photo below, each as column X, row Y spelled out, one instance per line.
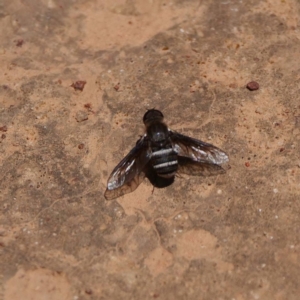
column 234, row 236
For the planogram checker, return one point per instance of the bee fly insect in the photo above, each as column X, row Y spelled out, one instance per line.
column 159, row 155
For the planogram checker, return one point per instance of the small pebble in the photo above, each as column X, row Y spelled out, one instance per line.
column 252, row 86
column 78, row 85
column 19, row 43
column 89, row 291
column 3, row 128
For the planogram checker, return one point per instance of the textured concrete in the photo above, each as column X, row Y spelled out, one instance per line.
column 234, row 236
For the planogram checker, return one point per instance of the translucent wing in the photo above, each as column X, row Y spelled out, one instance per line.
column 130, row 172
column 198, row 168
column 197, row 150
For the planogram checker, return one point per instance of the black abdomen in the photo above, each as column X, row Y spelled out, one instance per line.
column 164, row 162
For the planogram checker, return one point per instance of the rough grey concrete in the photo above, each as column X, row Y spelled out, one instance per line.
column 234, row 236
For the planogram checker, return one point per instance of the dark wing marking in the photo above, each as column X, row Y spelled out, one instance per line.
column 198, row 168
column 129, row 173
column 197, row 150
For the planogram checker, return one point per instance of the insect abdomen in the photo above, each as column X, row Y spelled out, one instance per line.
column 165, row 162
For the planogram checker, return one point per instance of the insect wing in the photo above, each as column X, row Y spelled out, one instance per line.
column 197, row 150
column 129, row 173
column 198, row 168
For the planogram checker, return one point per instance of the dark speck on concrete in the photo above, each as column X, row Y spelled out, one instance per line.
column 253, row 86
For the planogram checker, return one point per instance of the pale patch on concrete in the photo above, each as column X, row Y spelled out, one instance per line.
column 123, row 23
column 200, row 244
column 37, row 284
column 158, row 261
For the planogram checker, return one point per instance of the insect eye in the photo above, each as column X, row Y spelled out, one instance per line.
column 151, row 115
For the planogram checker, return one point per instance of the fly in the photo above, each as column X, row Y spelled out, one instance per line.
column 159, row 155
